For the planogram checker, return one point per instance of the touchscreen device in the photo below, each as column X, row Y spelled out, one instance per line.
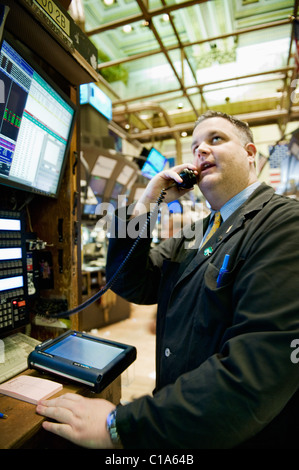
column 93, row 361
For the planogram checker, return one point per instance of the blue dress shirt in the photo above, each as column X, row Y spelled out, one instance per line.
column 231, row 205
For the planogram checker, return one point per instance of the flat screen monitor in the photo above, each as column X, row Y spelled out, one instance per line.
column 154, row 163
column 97, row 185
column 36, row 124
column 117, row 190
column 83, row 358
column 93, row 95
column 90, row 209
column 175, row 207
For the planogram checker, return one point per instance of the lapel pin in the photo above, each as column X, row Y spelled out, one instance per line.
column 228, row 229
column 208, row 251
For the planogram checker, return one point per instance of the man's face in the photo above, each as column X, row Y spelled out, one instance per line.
column 223, row 160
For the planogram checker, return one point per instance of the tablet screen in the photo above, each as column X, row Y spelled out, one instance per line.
column 91, row 353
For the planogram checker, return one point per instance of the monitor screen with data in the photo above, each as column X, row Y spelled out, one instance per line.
column 36, row 124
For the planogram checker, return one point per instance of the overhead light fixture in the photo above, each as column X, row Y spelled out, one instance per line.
column 180, row 105
column 108, row 2
column 184, row 134
column 127, row 28
column 77, row 10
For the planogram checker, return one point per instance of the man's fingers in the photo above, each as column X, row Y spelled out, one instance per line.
column 62, row 430
column 61, row 409
column 59, row 413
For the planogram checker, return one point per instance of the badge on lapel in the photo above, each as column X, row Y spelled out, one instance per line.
column 208, row 251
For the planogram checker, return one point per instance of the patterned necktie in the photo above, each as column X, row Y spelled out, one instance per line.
column 216, row 224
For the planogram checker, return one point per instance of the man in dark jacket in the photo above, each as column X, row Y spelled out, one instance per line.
column 228, row 313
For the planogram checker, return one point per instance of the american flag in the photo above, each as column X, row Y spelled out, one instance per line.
column 277, row 154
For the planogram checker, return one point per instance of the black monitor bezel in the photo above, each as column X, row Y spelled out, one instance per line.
column 21, row 50
column 96, row 378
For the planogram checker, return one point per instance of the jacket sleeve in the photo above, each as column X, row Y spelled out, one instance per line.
column 251, row 382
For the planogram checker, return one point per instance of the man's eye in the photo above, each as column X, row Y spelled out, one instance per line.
column 216, row 139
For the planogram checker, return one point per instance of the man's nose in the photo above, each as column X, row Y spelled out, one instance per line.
column 202, row 150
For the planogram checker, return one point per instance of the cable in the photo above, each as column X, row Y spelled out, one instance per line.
column 116, row 275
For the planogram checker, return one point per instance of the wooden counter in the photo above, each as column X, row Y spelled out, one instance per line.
column 23, row 427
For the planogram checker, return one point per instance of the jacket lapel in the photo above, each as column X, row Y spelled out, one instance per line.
column 228, row 228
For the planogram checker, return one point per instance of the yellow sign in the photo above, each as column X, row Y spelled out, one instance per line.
column 56, row 14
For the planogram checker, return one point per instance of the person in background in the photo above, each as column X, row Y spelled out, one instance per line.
column 226, row 372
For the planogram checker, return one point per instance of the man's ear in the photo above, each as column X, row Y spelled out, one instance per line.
column 251, row 152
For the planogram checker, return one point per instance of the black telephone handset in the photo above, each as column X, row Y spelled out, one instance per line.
column 189, row 179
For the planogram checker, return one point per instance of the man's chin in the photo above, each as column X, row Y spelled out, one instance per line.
column 208, row 182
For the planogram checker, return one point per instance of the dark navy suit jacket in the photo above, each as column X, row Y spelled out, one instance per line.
column 225, row 377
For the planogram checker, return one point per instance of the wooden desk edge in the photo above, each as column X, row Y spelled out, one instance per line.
column 23, row 423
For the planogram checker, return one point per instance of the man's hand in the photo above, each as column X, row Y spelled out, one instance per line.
column 162, row 180
column 80, row 420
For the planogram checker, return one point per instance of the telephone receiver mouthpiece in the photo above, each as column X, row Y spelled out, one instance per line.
column 189, row 179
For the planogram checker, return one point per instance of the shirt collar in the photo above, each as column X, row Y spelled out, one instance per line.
column 235, row 202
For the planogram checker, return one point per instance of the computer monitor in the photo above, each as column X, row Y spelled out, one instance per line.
column 91, row 94
column 14, row 311
column 36, row 124
column 154, row 163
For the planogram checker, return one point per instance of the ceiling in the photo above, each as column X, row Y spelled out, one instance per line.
column 164, row 62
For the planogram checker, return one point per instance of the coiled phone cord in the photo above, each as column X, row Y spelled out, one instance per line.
column 188, row 181
column 116, row 275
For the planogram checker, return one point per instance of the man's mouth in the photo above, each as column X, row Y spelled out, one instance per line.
column 205, row 166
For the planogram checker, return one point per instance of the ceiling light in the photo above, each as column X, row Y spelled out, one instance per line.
column 184, row 134
column 108, row 2
column 180, row 105
column 77, row 10
column 165, row 17
column 127, row 28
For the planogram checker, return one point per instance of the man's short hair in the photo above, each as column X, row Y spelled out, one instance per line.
column 242, row 126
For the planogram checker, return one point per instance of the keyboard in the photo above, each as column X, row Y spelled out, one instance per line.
column 14, row 351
